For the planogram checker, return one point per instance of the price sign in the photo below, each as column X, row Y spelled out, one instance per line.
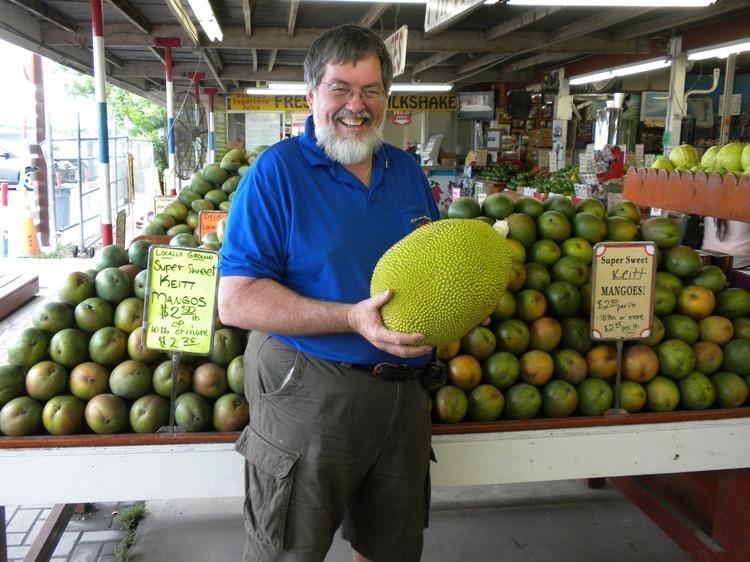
column 529, row 191
column 208, row 220
column 622, row 290
column 582, row 191
column 181, row 299
column 161, row 202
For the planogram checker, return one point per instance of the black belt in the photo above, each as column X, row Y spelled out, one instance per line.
column 432, row 375
column 391, row 371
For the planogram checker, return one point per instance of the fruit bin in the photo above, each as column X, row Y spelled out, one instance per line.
column 700, row 194
column 96, row 468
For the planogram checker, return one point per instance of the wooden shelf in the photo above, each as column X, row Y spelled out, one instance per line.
column 699, row 193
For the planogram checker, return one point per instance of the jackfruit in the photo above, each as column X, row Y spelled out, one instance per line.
column 446, row 277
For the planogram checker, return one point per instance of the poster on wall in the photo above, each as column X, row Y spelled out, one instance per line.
column 263, row 128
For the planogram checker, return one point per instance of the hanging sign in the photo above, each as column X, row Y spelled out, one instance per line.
column 622, row 290
column 423, row 102
column 439, row 14
column 208, row 220
column 248, row 102
column 180, row 299
column 395, row 44
column 401, row 118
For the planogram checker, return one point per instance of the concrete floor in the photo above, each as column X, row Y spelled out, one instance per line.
column 543, row 522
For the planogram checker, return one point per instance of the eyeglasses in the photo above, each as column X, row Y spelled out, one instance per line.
column 343, row 92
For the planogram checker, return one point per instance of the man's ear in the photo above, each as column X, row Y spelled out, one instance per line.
column 309, row 97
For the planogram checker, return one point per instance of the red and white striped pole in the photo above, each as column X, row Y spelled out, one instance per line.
column 101, row 101
column 169, row 43
column 211, row 92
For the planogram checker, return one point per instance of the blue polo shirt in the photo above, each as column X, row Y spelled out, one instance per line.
column 304, row 221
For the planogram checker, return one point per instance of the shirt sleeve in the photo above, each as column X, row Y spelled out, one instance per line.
column 256, row 235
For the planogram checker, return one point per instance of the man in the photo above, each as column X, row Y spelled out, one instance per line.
column 339, row 426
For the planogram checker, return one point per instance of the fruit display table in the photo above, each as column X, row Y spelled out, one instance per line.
column 701, row 194
column 159, row 467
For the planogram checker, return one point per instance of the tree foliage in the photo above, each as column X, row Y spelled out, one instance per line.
column 138, row 116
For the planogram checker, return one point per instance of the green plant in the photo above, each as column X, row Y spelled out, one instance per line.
column 128, row 521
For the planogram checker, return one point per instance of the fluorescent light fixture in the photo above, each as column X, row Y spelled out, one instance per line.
column 298, row 86
column 588, row 78
column 616, row 3
column 620, row 71
column 421, row 87
column 275, row 91
column 720, row 51
column 206, row 17
column 182, row 16
column 644, row 67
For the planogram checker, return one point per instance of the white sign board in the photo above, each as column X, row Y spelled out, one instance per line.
column 396, row 45
column 734, row 104
column 440, row 14
column 262, row 128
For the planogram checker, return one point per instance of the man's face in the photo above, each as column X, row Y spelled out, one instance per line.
column 348, row 109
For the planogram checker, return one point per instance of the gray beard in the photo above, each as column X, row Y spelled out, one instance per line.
column 347, row 151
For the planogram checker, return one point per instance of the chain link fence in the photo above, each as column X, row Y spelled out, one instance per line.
column 75, row 205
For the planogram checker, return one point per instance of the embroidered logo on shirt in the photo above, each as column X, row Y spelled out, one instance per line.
column 420, row 221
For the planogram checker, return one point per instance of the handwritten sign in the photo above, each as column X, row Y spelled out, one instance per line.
column 208, row 220
column 622, row 290
column 181, row 299
column 161, row 202
column 395, row 44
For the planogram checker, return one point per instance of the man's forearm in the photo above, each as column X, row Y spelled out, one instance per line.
column 268, row 306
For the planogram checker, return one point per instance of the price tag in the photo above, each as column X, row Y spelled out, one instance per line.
column 455, row 192
column 529, row 191
column 582, row 190
column 622, row 290
column 208, row 220
column 480, row 192
column 639, row 156
column 161, row 202
column 181, row 299
column 648, row 160
column 552, row 157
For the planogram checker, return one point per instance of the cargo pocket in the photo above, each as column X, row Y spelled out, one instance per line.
column 269, row 479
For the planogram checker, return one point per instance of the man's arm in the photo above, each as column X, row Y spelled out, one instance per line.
column 263, row 304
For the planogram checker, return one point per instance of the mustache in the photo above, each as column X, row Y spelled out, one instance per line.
column 364, row 114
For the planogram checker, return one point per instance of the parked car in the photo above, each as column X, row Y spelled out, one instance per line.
column 16, row 166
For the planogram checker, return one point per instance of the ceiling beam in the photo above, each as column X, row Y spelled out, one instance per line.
column 283, row 73
column 482, row 62
column 157, row 54
column 292, row 22
column 113, row 59
column 540, row 60
column 133, row 15
column 374, row 14
column 46, row 13
column 278, row 38
column 677, row 19
column 213, row 61
column 247, row 14
column 429, row 62
column 591, row 24
column 524, row 20
column 272, row 59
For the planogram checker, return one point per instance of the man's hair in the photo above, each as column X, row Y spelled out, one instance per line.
column 346, row 44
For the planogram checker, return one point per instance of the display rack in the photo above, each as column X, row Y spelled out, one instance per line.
column 711, row 194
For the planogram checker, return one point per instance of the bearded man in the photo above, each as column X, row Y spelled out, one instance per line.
column 339, row 431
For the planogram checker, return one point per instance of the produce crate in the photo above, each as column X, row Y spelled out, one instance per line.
column 699, row 193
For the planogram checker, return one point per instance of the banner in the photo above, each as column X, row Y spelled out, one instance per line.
column 406, row 102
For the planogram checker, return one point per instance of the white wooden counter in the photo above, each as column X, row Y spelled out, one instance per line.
column 44, row 475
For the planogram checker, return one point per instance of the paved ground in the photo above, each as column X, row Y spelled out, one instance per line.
column 550, row 522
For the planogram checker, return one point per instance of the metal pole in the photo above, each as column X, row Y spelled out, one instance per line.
column 171, row 160
column 675, row 109
column 726, row 118
column 211, row 127
column 82, row 246
column 618, row 376
column 101, row 99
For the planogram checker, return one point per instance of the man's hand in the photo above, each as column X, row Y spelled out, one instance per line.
column 364, row 318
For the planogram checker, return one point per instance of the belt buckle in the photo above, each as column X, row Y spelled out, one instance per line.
column 389, row 371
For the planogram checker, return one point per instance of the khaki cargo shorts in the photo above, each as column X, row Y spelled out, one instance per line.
column 328, row 444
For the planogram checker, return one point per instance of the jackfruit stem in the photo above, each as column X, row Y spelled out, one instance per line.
column 502, row 228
